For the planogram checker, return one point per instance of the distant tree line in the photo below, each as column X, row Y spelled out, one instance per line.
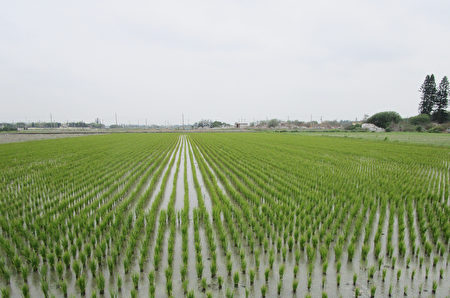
column 210, row 124
column 23, row 125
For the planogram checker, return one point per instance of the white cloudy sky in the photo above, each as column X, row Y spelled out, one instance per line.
column 222, row 60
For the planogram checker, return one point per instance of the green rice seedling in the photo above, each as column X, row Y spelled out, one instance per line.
column 119, row 283
column 309, row 283
column 357, row 292
column 199, row 267
column 243, row 265
column 281, row 271
column 213, row 269
column 252, row 276
column 169, row 287
column 372, row 291
column 350, row 251
column 59, row 269
column 413, row 273
column 271, row 261
column 441, row 273
column 220, row 281
column 338, row 266
column 44, row 287
column 168, row 273
column 338, row 280
column 63, row 286
column 93, row 267
column 295, row 271
column 384, row 275
column 229, row 267
column 427, row 270
column 183, row 271
column 236, row 279
column 76, row 268
column 101, row 283
column 5, row 293
column 279, row 286
column 135, row 279
column 263, row 290
column 17, row 263
column 364, row 252
column 297, row 256
column 24, row 272
column 434, row 288
column 25, row 291
column 43, row 271
column 185, row 287
column 380, row 262
column 266, row 274
column 355, row 277
column 204, row 284
column 133, row 293
column 371, row 272
column 294, row 285
column 324, row 268
column 310, row 269
column 81, row 283
column 324, row 295
column 394, row 260
column 290, row 243
column 66, row 259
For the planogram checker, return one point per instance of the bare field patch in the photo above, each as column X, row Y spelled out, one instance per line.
column 25, row 137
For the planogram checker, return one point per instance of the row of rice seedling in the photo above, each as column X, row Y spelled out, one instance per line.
column 274, row 215
column 360, row 238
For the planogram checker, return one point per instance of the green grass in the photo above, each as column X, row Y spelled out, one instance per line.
column 434, row 139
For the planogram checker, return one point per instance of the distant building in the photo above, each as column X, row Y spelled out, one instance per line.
column 241, row 125
column 371, row 127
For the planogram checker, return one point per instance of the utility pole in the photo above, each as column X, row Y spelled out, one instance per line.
column 115, row 114
column 182, row 120
column 51, row 120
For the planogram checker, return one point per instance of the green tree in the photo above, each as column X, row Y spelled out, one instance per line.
column 421, row 119
column 384, row 119
column 441, row 101
column 428, row 90
column 273, row 123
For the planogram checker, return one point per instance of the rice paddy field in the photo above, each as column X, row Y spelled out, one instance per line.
column 223, row 215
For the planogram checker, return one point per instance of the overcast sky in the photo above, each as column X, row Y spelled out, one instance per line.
column 223, row 60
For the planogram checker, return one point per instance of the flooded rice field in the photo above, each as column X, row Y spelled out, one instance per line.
column 224, row 215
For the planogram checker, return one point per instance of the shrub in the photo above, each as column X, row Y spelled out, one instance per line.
column 384, row 119
column 421, row 119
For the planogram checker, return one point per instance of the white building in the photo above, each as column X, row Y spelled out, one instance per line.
column 372, row 127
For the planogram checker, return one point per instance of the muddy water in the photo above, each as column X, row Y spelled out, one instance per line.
column 346, row 288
